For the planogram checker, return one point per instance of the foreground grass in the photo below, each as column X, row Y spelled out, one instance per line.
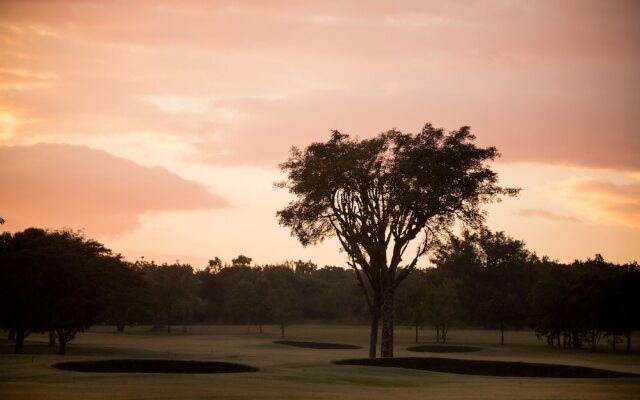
column 292, row 372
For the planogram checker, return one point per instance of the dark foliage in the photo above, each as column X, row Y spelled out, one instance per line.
column 53, row 281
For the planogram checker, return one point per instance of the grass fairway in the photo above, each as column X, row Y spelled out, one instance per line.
column 293, row 372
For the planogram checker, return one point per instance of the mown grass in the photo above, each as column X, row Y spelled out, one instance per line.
column 296, row 373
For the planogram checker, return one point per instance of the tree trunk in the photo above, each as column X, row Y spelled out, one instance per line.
column 416, row 333
column 64, row 337
column 373, row 336
column 594, row 339
column 386, row 341
column 282, row 329
column 52, row 338
column 248, row 323
column 20, row 335
column 120, row 327
column 445, row 330
column 614, row 340
column 62, row 341
column 12, row 334
column 437, row 333
column 576, row 340
column 628, row 341
column 63, row 347
column 260, row 328
column 501, row 334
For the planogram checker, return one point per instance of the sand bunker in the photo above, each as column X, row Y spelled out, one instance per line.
column 490, row 368
column 316, row 345
column 443, row 348
column 155, row 366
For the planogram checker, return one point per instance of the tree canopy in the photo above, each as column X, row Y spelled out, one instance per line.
column 378, row 195
column 52, row 280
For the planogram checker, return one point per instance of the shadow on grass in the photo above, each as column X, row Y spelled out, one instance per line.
column 488, row 368
column 439, row 348
column 317, row 345
column 155, row 366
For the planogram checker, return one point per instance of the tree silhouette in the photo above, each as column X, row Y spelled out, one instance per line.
column 413, row 300
column 241, row 261
column 170, row 286
column 283, row 296
column 379, row 195
column 52, row 280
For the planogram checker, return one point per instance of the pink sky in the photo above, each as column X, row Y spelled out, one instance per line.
column 157, row 126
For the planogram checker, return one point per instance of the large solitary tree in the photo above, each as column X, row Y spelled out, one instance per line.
column 387, row 199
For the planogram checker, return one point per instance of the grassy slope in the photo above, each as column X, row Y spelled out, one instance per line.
column 289, row 372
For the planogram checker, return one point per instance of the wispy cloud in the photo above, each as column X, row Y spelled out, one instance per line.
column 606, row 201
column 546, row 214
column 602, row 200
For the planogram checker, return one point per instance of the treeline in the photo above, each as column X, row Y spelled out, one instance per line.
column 62, row 283
column 491, row 280
column 239, row 293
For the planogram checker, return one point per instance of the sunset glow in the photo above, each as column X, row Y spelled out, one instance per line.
column 157, row 127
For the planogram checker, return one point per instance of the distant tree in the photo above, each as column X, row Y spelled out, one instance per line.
column 443, row 305
column 170, row 286
column 413, row 300
column 52, row 280
column 505, row 260
column 241, row 261
column 247, row 296
column 592, row 278
column 483, row 261
column 304, row 267
column 214, row 265
column 458, row 256
column 623, row 304
column 336, row 297
column 378, row 195
column 577, row 304
column 210, row 289
column 283, row 298
column 127, row 295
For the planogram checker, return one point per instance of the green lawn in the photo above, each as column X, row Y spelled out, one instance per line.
column 292, row 372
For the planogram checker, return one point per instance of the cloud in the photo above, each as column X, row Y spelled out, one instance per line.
column 259, row 76
column 18, row 80
column 542, row 213
column 608, row 201
column 57, row 185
